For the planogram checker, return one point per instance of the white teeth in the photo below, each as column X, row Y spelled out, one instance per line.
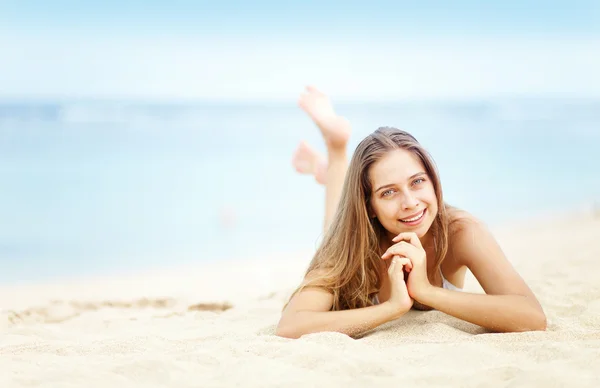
column 415, row 218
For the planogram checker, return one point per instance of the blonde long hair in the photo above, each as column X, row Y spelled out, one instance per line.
column 348, row 260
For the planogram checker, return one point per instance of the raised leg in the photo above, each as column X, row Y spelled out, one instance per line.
column 329, row 170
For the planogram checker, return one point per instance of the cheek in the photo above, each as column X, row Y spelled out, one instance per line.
column 430, row 195
column 383, row 209
column 432, row 200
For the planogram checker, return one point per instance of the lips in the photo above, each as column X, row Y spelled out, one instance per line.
column 414, row 217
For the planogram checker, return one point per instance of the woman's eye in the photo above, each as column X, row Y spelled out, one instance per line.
column 387, row 193
column 419, row 180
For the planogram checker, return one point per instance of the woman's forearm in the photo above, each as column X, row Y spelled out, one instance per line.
column 501, row 313
column 351, row 322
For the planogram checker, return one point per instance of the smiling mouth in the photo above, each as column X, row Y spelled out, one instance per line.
column 415, row 218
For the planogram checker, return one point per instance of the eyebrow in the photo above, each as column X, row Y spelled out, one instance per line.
column 392, row 184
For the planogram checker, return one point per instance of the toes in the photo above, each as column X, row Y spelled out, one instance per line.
column 302, row 166
column 304, row 148
column 302, row 100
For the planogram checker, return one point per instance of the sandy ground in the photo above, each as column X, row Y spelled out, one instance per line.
column 213, row 326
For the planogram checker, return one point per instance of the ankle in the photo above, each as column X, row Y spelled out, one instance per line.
column 336, row 152
column 336, row 132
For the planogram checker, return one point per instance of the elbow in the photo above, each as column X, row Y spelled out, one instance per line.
column 534, row 321
column 287, row 329
column 541, row 323
column 287, row 332
column 290, row 326
column 537, row 322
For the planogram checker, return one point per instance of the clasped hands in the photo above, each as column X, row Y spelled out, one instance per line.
column 407, row 255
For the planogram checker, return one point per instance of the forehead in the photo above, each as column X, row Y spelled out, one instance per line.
column 395, row 167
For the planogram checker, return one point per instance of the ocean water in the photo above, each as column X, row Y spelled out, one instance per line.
column 93, row 187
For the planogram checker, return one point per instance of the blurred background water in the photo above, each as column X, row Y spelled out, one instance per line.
column 144, row 134
column 102, row 186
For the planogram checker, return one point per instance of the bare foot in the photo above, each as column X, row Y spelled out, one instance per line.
column 335, row 129
column 308, row 161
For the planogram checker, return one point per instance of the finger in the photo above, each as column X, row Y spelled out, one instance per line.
column 391, row 268
column 400, row 262
column 392, row 264
column 404, row 262
column 402, row 248
column 410, row 237
column 408, row 265
column 407, row 236
column 395, row 250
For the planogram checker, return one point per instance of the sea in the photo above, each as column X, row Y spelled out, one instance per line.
column 93, row 187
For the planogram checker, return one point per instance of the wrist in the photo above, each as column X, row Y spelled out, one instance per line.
column 427, row 295
column 393, row 311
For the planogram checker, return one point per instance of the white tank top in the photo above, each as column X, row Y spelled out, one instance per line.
column 447, row 285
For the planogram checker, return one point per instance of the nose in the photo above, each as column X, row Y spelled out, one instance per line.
column 409, row 202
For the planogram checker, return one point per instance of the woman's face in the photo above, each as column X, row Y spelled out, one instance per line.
column 403, row 198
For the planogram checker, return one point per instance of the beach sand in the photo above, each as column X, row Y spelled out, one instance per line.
column 182, row 327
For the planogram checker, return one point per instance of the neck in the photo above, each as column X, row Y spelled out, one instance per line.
column 427, row 241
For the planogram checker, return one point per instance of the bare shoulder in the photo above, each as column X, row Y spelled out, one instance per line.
column 454, row 266
column 464, row 224
column 474, row 246
column 461, row 221
column 466, row 234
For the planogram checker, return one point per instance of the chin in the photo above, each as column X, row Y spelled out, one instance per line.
column 393, row 232
column 421, row 232
column 426, row 227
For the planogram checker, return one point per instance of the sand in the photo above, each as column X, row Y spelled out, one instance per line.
column 182, row 327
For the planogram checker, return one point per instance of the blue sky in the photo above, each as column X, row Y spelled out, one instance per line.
column 269, row 49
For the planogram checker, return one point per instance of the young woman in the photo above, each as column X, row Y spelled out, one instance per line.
column 392, row 243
